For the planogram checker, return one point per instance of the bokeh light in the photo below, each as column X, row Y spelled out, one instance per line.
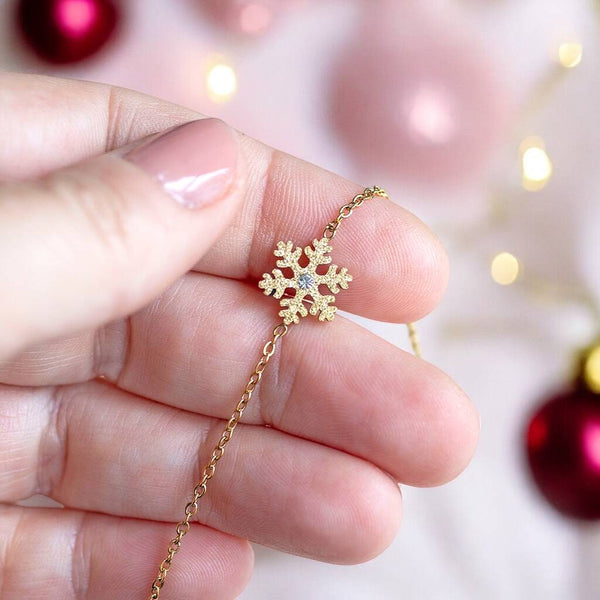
column 591, row 370
column 221, row 81
column 536, row 166
column 505, row 268
column 570, row 54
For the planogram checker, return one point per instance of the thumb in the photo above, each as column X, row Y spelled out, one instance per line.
column 96, row 241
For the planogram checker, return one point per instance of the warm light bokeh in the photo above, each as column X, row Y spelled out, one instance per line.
column 221, row 81
column 591, row 371
column 536, row 166
column 570, row 54
column 505, row 268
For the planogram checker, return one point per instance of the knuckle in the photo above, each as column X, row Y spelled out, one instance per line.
column 95, row 204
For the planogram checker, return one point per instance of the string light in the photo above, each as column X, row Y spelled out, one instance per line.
column 591, row 370
column 221, row 81
column 505, row 268
column 570, row 54
column 536, row 166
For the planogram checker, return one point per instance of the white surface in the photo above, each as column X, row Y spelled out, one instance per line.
column 486, row 535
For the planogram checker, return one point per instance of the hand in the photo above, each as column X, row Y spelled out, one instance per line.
column 130, row 324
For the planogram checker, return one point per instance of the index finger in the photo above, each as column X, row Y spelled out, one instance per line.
column 400, row 269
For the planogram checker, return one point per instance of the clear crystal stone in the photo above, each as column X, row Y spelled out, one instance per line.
column 305, row 281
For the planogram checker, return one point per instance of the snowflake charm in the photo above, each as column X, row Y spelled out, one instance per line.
column 305, row 281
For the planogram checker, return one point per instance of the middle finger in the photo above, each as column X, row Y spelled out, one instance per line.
column 334, row 383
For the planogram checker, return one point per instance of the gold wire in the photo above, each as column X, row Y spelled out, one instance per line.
column 415, row 343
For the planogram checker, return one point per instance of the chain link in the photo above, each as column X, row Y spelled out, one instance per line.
column 183, row 527
column 346, row 210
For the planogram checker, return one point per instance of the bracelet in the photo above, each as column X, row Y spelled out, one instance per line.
column 305, row 282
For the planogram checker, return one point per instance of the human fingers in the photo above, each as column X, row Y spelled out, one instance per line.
column 75, row 119
column 75, row 555
column 336, row 384
column 93, row 447
column 98, row 240
column 400, row 269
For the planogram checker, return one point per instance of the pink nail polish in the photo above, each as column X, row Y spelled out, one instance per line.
column 195, row 162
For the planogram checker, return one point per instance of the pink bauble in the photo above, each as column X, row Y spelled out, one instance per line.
column 416, row 95
column 250, row 18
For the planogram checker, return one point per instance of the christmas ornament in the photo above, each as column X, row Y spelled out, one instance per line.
column 251, row 18
column 563, row 444
column 419, row 98
column 66, row 31
column 304, row 282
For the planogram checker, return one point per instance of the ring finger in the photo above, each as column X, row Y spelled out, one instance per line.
column 94, row 447
column 74, row 555
column 336, row 384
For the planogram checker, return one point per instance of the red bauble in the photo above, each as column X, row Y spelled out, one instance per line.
column 66, row 31
column 563, row 448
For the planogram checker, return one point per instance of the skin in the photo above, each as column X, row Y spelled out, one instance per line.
column 103, row 276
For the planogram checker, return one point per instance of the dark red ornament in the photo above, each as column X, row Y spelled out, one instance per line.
column 66, row 31
column 563, row 449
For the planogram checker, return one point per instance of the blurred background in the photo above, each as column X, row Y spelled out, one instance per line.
column 482, row 117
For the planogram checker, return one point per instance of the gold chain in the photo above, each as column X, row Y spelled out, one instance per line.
column 191, row 508
column 346, row 210
column 184, row 526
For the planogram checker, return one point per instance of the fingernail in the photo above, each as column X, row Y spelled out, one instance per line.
column 195, row 162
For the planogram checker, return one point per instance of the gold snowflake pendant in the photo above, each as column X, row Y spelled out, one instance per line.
column 305, row 281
